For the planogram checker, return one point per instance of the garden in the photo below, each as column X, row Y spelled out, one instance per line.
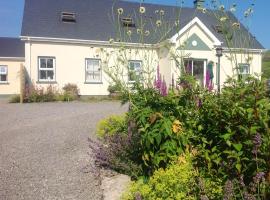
column 187, row 141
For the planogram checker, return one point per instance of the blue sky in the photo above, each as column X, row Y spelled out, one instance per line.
column 11, row 16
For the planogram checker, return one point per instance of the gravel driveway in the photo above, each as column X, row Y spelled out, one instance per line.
column 43, row 150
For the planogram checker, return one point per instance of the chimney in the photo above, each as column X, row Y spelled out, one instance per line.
column 198, row 3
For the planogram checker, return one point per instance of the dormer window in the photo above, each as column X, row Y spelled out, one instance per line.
column 218, row 28
column 128, row 22
column 68, row 17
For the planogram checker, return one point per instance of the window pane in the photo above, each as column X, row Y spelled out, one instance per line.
column 42, row 63
column 93, row 71
column 96, row 68
column 3, row 78
column 131, row 76
column 50, row 75
column 243, row 69
column 3, row 70
column 49, row 63
column 188, row 66
column 131, row 66
column 198, row 71
column 43, row 74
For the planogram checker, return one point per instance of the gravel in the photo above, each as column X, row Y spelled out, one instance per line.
column 44, row 150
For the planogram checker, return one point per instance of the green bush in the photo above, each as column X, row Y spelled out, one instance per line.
column 14, row 99
column 39, row 94
column 71, row 92
column 111, row 125
column 178, row 181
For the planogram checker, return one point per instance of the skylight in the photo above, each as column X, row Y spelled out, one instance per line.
column 68, row 17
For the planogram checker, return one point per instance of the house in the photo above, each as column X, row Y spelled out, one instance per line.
column 65, row 41
column 11, row 58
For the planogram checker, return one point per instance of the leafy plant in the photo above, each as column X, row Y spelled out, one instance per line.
column 118, row 151
column 71, row 92
column 114, row 124
column 14, row 99
column 179, row 180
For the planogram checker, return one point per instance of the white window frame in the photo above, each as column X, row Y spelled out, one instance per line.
column 241, row 74
column 192, row 69
column 138, row 72
column 4, row 73
column 92, row 71
column 46, row 69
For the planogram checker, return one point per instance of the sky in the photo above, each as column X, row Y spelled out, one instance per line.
column 11, row 12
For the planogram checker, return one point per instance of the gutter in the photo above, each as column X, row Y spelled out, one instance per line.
column 13, row 58
column 87, row 42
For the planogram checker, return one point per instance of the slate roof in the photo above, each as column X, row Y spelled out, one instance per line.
column 95, row 21
column 11, row 47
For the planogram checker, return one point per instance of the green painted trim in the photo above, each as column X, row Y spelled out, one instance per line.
column 201, row 45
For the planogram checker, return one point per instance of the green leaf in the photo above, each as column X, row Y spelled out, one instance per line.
column 238, row 167
column 238, row 147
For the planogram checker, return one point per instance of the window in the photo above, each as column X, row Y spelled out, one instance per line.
column 134, row 70
column 128, row 22
column 3, row 74
column 46, row 69
column 196, row 68
column 243, row 71
column 68, row 17
column 93, row 71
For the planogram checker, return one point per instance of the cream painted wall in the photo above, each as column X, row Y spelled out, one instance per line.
column 70, row 63
column 13, row 80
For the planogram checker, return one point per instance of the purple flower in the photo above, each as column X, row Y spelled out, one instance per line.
column 138, row 196
column 259, row 176
column 257, row 142
column 248, row 196
column 241, row 180
column 160, row 84
column 228, row 190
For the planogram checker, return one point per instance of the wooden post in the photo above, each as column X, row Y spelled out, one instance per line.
column 22, row 83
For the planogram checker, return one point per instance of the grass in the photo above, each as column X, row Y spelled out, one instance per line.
column 266, row 65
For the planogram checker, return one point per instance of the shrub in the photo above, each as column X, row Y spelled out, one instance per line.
column 118, row 151
column 112, row 125
column 231, row 130
column 14, row 99
column 114, row 88
column 71, row 91
column 178, row 181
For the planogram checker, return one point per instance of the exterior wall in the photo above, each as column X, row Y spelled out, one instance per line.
column 13, row 77
column 70, row 63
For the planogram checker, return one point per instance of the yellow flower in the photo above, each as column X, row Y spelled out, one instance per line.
column 111, row 40
column 177, row 126
column 223, row 19
column 142, row 9
column 182, row 159
column 222, row 7
column 162, row 12
column 120, row 11
column 236, row 24
column 129, row 32
column 158, row 23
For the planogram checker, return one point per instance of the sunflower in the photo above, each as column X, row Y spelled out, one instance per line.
column 142, row 9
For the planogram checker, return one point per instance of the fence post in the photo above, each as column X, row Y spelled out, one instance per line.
column 22, row 83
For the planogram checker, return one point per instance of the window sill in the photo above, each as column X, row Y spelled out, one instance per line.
column 46, row 82
column 99, row 83
column 4, row 83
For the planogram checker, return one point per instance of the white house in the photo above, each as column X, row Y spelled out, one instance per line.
column 65, row 41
